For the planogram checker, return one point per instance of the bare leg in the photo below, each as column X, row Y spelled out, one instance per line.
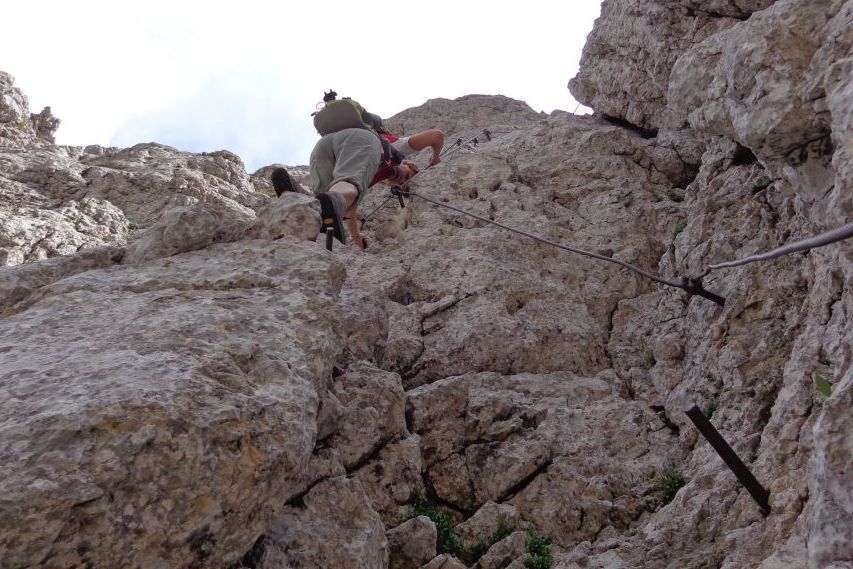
column 352, row 226
column 347, row 190
column 350, row 193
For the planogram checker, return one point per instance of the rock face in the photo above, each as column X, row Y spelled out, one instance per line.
column 142, row 432
column 216, row 390
column 56, row 200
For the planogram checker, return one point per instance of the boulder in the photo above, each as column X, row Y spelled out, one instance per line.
column 169, row 432
column 295, row 215
column 334, row 528
column 412, row 543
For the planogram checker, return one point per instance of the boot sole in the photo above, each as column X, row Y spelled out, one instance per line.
column 282, row 182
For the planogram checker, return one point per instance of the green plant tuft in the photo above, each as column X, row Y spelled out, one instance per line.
column 132, row 225
column 538, row 551
column 679, row 227
column 448, row 540
column 709, row 409
column 822, row 385
column 670, row 481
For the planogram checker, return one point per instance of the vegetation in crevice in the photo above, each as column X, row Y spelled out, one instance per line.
column 538, row 551
column 669, row 482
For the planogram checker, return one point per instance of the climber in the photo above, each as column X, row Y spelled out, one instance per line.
column 354, row 153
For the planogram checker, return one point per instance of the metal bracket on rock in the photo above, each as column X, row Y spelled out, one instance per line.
column 692, row 285
column 330, row 237
column 730, row 457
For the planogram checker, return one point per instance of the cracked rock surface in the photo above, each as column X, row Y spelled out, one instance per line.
column 214, row 389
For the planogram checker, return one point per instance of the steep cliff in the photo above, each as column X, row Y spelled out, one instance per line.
column 203, row 385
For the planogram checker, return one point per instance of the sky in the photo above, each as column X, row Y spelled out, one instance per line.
column 246, row 76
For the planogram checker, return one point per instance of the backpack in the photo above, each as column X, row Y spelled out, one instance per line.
column 346, row 113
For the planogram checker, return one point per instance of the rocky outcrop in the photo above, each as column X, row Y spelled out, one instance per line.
column 57, row 200
column 169, row 433
column 466, row 115
column 224, row 392
column 412, row 543
column 333, row 526
column 45, row 125
column 299, row 174
column 756, row 94
column 630, row 53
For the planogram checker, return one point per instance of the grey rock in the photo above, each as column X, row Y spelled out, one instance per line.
column 503, row 553
column 444, row 561
column 335, row 528
column 412, row 543
column 179, row 422
column 293, row 214
column 180, row 229
column 45, row 125
column 18, row 282
column 373, row 406
column 487, row 520
column 393, row 479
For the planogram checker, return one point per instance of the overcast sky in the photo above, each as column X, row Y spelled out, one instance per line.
column 245, row 76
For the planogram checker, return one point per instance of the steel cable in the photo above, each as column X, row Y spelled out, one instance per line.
column 826, row 238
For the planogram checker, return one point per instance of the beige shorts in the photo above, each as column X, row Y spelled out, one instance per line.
column 349, row 155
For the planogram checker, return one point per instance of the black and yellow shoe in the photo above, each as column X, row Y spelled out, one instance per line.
column 332, row 208
column 282, row 182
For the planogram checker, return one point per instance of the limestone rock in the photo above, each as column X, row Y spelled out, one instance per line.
column 412, row 543
column 444, row 561
column 31, row 229
column 828, row 526
column 392, row 479
column 296, row 215
column 504, row 552
column 490, row 437
column 45, row 125
column 180, row 229
column 465, row 116
column 724, row 84
column 373, row 406
column 14, row 106
column 528, row 302
column 539, row 382
column 299, row 174
column 628, row 58
column 16, row 283
column 487, row 520
column 168, row 434
column 335, row 528
column 58, row 200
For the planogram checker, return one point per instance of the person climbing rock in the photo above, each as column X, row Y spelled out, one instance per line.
column 355, row 152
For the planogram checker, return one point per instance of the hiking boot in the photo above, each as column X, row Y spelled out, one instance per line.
column 332, row 208
column 282, row 182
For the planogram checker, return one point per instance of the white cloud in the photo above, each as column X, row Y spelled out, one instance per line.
column 210, row 75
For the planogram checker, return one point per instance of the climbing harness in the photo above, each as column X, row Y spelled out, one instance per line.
column 457, row 144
